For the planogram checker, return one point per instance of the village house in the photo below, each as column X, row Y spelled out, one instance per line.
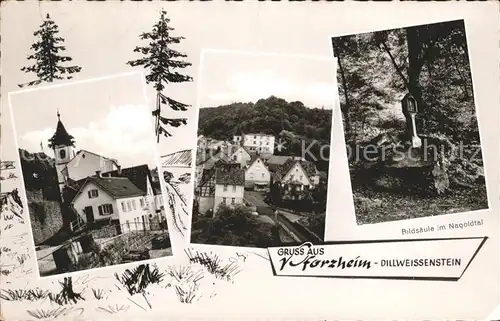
column 141, row 177
column 223, row 183
column 111, row 199
column 296, row 173
column 262, row 143
column 257, row 175
column 241, row 155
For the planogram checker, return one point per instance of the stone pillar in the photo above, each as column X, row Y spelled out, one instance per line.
column 410, row 110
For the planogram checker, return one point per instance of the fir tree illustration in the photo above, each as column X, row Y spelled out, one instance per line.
column 162, row 64
column 48, row 61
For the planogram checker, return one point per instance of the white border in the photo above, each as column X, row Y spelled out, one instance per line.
column 25, row 197
column 335, row 98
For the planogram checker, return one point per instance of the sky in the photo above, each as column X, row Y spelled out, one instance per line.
column 114, row 121
column 233, row 76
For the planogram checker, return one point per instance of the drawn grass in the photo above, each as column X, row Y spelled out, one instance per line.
column 51, row 314
column 98, row 294
column 214, row 265
column 67, row 295
column 139, row 278
column 113, row 309
column 23, row 294
column 189, row 295
column 185, row 274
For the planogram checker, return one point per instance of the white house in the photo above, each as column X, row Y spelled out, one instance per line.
column 262, row 143
column 257, row 175
column 112, row 199
column 240, row 155
column 73, row 166
column 229, row 186
column 296, row 173
column 224, row 183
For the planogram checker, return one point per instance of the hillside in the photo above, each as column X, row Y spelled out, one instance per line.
column 291, row 121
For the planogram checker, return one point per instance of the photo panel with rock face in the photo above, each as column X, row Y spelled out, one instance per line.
column 262, row 158
column 88, row 164
column 410, row 123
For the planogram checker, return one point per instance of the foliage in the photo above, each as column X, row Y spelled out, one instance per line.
column 307, row 200
column 39, row 173
column 67, row 294
column 162, row 63
column 47, row 49
column 214, row 264
column 316, row 223
column 431, row 61
column 236, row 227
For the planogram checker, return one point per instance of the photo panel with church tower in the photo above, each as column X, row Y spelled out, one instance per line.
column 88, row 164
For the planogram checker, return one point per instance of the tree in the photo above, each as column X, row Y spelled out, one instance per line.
column 47, row 56
column 162, row 62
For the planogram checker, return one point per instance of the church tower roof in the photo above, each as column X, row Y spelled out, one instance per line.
column 61, row 136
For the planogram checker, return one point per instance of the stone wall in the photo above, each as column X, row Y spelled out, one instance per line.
column 45, row 216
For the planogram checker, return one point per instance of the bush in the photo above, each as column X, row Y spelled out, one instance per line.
column 236, row 227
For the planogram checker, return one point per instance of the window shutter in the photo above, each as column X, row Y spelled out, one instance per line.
column 100, row 209
column 110, row 209
column 90, row 196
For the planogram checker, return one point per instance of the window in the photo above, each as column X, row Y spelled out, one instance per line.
column 254, row 137
column 133, row 205
column 301, row 177
column 93, row 193
column 225, row 188
column 62, row 153
column 105, row 209
column 254, row 142
column 232, row 200
column 262, row 175
column 129, row 206
column 124, row 208
column 234, row 188
column 224, row 200
column 142, row 202
column 291, row 177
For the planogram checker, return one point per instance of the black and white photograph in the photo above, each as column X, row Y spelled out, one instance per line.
column 264, row 128
column 410, row 122
column 88, row 165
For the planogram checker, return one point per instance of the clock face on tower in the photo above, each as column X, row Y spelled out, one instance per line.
column 62, row 154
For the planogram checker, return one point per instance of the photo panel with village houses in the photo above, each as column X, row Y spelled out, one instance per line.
column 88, row 167
column 410, row 123
column 262, row 157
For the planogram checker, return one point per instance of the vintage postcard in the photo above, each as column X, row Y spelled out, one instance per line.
column 225, row 166
column 264, row 128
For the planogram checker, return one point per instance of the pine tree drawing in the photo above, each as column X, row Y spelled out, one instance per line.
column 47, row 50
column 162, row 63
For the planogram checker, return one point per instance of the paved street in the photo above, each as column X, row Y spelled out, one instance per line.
column 257, row 199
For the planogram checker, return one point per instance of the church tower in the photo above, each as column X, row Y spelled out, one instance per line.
column 63, row 145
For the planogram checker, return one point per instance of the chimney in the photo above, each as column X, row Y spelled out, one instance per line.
column 98, row 174
column 119, row 170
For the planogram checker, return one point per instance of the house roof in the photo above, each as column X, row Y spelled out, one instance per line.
column 230, row 174
column 278, row 159
column 280, row 171
column 182, row 157
column 138, row 175
column 61, row 136
column 116, row 187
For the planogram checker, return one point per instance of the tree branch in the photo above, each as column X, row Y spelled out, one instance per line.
column 398, row 69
